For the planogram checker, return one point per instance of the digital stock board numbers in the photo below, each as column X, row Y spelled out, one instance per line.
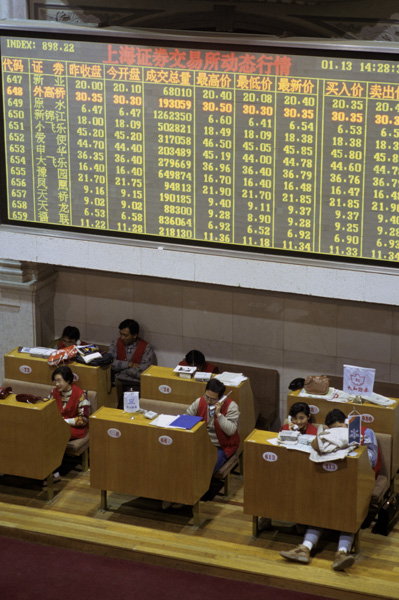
column 264, row 149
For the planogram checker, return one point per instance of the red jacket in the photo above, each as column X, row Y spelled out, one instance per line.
column 71, row 410
column 229, row 443
column 138, row 353
column 206, row 367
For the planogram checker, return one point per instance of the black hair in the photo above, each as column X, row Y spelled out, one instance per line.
column 71, row 332
column 65, row 373
column 335, row 416
column 298, row 407
column 130, row 324
column 195, row 358
column 214, row 385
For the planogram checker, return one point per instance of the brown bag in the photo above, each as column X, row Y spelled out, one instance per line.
column 317, row 384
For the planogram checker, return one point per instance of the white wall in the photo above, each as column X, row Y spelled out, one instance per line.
column 291, row 333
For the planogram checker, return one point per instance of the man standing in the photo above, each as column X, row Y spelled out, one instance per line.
column 131, row 355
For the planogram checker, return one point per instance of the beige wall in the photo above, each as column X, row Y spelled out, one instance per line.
column 293, row 334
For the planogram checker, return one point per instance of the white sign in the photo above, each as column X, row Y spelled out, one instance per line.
column 165, row 440
column 131, row 402
column 330, row 466
column 25, row 369
column 114, row 433
column 313, row 409
column 358, row 380
column 165, row 389
column 270, row 456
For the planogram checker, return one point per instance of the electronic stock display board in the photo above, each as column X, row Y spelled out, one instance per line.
column 287, row 149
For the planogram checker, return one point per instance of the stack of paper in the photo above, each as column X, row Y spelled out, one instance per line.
column 40, row 352
column 202, row 376
column 232, row 379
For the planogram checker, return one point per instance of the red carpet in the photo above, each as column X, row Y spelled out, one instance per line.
column 35, row 572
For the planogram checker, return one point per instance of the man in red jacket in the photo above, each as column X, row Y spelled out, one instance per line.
column 131, row 355
column 221, row 415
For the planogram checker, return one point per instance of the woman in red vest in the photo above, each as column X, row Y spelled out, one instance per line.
column 72, row 402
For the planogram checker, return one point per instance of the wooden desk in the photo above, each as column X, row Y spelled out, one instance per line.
column 26, row 368
column 292, row 488
column 161, row 383
column 380, row 419
column 127, row 456
column 33, row 438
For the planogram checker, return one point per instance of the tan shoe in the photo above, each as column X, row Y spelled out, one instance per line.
column 342, row 561
column 299, row 554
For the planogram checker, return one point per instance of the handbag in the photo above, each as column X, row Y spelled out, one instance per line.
column 317, row 384
column 387, row 515
column 62, row 356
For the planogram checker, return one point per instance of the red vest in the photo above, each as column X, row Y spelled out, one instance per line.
column 138, row 353
column 229, row 443
column 206, row 367
column 71, row 410
column 377, row 467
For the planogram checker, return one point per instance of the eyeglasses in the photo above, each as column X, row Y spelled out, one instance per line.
column 214, row 400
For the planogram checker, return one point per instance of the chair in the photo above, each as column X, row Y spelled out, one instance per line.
column 225, row 470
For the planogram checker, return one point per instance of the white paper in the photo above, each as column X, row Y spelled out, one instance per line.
column 232, row 379
column 327, row 396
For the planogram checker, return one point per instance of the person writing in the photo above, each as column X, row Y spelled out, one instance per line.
column 70, row 337
column 195, row 358
column 131, row 354
column 343, row 559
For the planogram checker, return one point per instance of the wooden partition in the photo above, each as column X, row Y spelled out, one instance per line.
column 33, row 438
column 283, row 484
column 22, row 366
column 161, row 383
column 131, row 456
column 381, row 419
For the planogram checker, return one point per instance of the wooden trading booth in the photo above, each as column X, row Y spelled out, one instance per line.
column 33, row 438
column 131, row 456
column 283, row 484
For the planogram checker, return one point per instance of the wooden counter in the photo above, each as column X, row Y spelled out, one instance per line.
column 130, row 456
column 285, row 485
column 27, row 368
column 161, row 383
column 33, row 438
column 380, row 419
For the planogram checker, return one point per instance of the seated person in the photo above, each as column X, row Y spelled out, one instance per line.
column 343, row 558
column 195, row 358
column 70, row 337
column 221, row 418
column 301, row 417
column 72, row 402
column 73, row 405
column 131, row 354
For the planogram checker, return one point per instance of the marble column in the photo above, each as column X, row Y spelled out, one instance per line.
column 13, row 9
column 26, row 305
